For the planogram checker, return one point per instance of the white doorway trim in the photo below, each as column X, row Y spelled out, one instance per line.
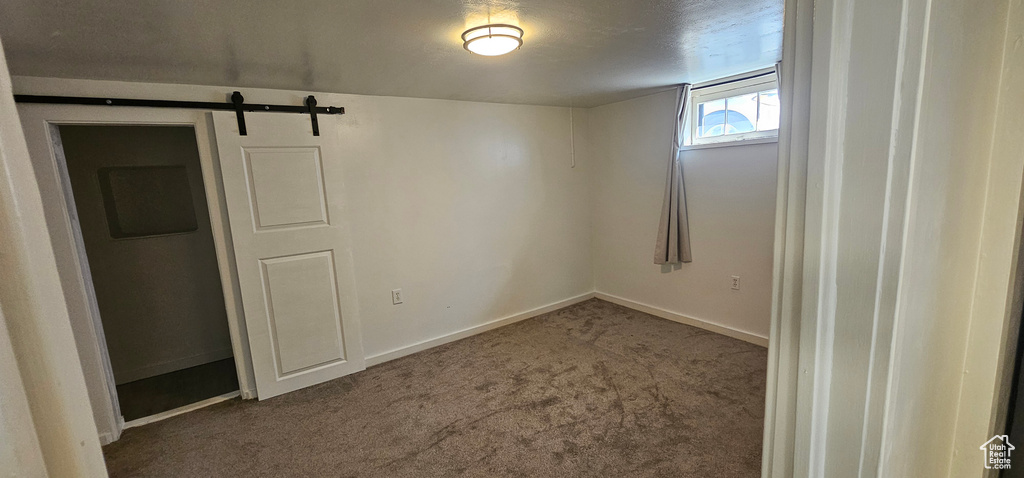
column 40, row 125
column 787, row 270
column 916, row 338
column 83, row 270
column 138, row 422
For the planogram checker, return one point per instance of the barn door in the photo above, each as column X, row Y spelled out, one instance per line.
column 283, row 187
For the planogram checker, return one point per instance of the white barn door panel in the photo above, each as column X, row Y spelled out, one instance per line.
column 283, row 188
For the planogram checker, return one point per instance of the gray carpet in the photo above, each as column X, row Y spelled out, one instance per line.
column 590, row 390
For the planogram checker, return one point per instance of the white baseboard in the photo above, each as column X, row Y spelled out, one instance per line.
column 106, row 438
column 111, row 436
column 426, row 344
column 178, row 411
column 682, row 319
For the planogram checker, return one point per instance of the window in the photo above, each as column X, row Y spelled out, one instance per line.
column 740, row 110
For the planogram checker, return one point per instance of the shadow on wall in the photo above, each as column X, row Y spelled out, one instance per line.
column 668, row 268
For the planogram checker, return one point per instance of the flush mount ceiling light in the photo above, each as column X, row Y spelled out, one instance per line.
column 493, row 40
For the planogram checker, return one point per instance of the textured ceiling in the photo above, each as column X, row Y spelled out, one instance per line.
column 584, row 52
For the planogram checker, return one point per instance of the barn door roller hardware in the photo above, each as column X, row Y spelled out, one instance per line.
column 237, row 105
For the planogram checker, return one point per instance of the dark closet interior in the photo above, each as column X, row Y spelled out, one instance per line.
column 142, row 210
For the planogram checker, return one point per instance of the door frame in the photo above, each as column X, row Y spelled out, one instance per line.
column 40, row 123
column 815, row 71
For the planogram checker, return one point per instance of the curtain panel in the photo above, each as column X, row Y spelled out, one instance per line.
column 673, row 244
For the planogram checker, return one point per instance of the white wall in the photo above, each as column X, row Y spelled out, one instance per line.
column 36, row 321
column 20, row 454
column 905, row 267
column 965, row 217
column 472, row 209
column 990, row 356
column 475, row 212
column 730, row 195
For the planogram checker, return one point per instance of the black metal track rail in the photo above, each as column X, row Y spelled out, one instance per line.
column 237, row 105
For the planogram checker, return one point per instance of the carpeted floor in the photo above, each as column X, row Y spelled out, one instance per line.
column 590, row 390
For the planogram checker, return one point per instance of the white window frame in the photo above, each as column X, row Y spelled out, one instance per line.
column 765, row 80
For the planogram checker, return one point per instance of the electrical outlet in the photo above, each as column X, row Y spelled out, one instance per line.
column 396, row 296
column 735, row 282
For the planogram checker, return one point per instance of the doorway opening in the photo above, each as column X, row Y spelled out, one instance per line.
column 141, row 210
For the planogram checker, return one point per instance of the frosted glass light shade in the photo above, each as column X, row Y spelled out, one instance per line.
column 493, row 40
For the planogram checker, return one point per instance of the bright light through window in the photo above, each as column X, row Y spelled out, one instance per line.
column 739, row 114
column 712, row 115
column 735, row 111
column 768, row 110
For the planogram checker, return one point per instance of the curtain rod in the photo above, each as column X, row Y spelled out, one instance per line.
column 237, row 105
column 733, row 81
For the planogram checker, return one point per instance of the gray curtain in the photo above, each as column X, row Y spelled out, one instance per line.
column 673, row 244
column 778, row 79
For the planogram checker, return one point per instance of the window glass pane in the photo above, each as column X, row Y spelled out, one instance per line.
column 741, row 113
column 711, row 118
column 769, row 117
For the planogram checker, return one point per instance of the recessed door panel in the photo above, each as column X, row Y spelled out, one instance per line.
column 287, row 186
column 302, row 303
